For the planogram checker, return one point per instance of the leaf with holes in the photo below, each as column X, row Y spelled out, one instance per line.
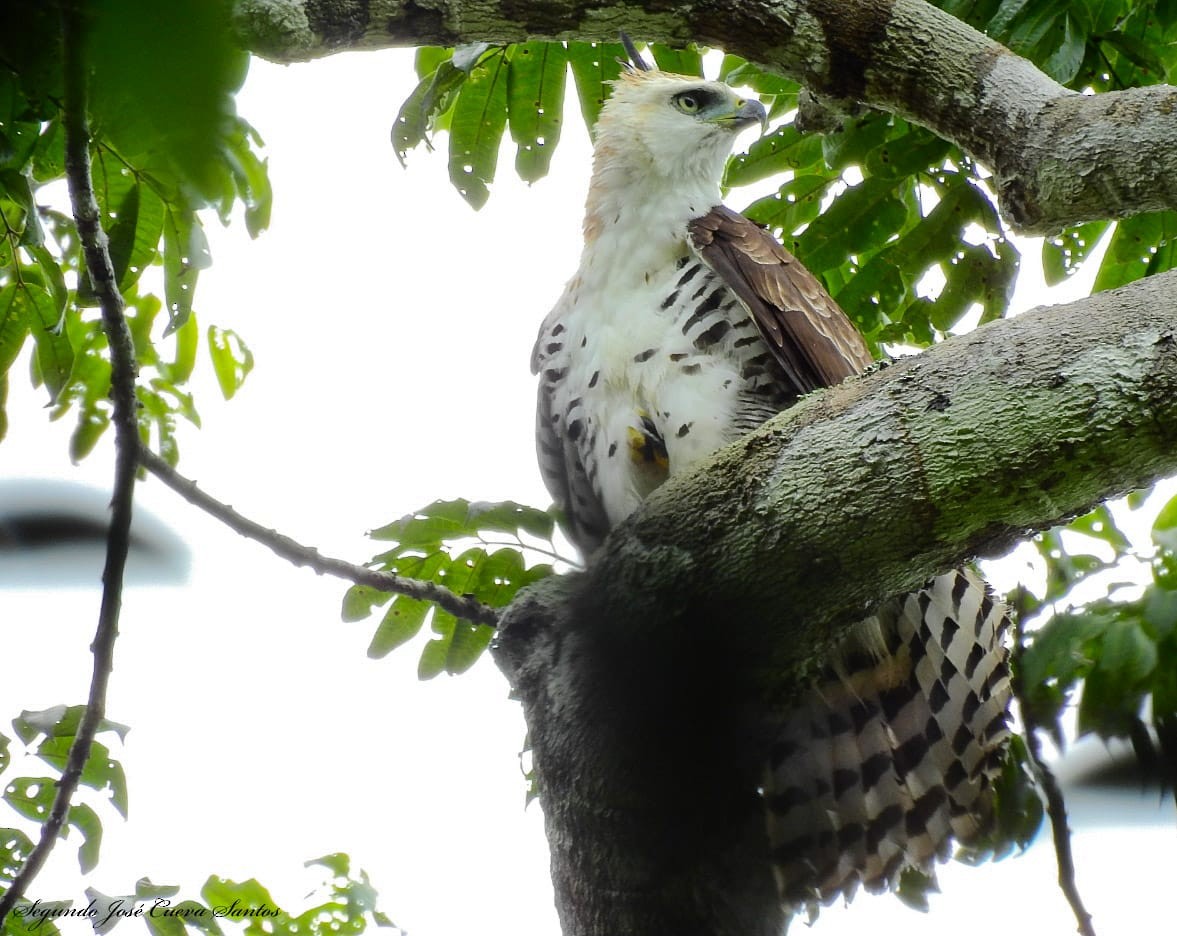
column 594, row 66
column 537, row 73
column 477, row 125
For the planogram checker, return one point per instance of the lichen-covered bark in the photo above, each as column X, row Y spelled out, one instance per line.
column 649, row 681
column 1058, row 157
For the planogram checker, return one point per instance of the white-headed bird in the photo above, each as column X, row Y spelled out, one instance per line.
column 686, row 326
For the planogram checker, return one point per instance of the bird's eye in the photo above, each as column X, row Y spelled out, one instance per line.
column 687, row 103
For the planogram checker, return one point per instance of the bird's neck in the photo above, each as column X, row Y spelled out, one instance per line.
column 636, row 219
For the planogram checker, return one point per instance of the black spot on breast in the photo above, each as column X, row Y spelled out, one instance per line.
column 688, row 276
column 713, row 334
column 678, row 356
column 557, row 330
column 645, row 355
column 593, row 380
column 691, row 368
column 575, row 428
column 555, row 374
column 670, row 300
column 684, row 429
column 612, row 449
column 553, row 346
column 705, row 308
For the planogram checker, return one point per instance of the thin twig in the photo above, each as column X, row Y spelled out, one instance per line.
column 462, row 606
column 1056, row 807
column 123, row 374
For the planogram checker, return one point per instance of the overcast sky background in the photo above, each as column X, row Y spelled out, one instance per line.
column 391, row 327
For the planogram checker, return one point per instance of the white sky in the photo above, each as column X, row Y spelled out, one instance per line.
column 392, row 327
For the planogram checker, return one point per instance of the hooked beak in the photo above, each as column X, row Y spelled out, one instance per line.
column 746, row 114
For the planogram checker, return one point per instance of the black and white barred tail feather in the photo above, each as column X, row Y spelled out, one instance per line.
column 893, row 755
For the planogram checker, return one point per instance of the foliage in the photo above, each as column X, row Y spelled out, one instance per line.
column 899, row 224
column 48, row 735
column 158, row 160
column 1117, row 651
column 476, row 549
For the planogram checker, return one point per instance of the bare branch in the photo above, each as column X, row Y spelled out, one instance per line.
column 123, row 374
column 462, row 606
column 1056, row 806
column 1058, row 157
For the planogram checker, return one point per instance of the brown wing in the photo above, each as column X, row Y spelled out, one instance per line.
column 814, row 342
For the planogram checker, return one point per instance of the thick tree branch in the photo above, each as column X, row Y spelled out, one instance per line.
column 462, row 606
column 1058, row 158
column 650, row 680
column 122, row 391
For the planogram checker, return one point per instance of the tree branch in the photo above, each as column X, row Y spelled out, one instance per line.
column 124, row 371
column 650, row 680
column 1056, row 806
column 1058, row 157
column 462, row 606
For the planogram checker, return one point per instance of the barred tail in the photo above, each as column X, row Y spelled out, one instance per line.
column 893, row 753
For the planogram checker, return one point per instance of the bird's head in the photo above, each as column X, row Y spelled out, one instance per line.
column 673, row 125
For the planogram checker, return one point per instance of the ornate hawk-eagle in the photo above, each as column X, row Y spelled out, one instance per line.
column 685, row 327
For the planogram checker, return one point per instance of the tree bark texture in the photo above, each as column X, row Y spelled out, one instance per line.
column 650, row 681
column 1058, row 157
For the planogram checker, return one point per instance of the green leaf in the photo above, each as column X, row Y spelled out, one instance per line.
column 15, row 185
column 191, row 76
column 35, row 306
column 1164, row 528
column 185, row 254
column 1100, row 524
column 1064, row 254
column 782, row 150
column 1140, row 246
column 14, row 325
column 480, row 116
column 433, row 96
column 401, row 623
column 134, row 238
column 594, row 66
column 221, row 894
column 428, row 58
column 1136, row 50
column 509, row 517
column 862, row 216
column 688, row 61
column 850, row 145
column 1065, row 62
column 741, row 73
column 1057, row 655
column 913, row 888
column 796, row 203
column 1114, row 690
column 59, row 721
column 32, row 797
column 86, row 821
column 101, row 772
column 359, row 600
column 906, row 153
column 14, row 850
column 536, row 76
column 232, row 359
